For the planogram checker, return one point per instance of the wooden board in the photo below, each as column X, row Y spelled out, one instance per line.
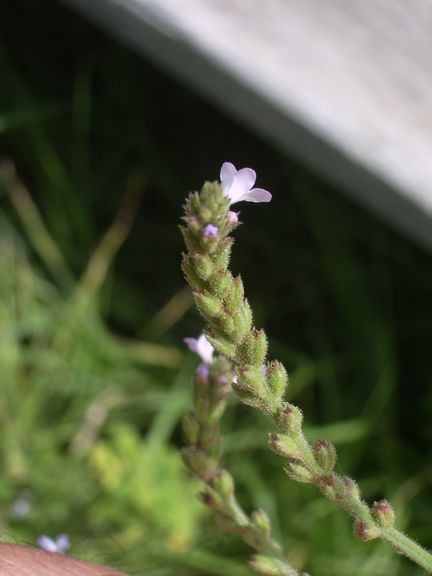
column 345, row 86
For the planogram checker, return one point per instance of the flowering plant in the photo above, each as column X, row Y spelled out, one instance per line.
column 242, row 360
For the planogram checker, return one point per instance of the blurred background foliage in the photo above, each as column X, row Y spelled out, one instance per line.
column 98, row 149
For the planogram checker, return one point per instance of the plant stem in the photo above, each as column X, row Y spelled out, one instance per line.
column 406, row 546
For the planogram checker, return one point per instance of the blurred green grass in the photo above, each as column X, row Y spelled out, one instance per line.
column 94, row 379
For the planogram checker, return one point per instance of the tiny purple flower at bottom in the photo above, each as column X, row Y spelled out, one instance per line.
column 59, row 545
column 210, row 231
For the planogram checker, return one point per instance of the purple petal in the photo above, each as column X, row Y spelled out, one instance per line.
column 227, row 172
column 235, row 191
column 205, row 349
column 257, row 195
column 210, row 231
column 246, row 177
column 47, row 543
column 62, row 543
column 200, row 346
column 191, row 343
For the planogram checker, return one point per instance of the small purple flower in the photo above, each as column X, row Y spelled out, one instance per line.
column 202, row 347
column 203, row 372
column 237, row 185
column 233, row 217
column 210, row 231
column 59, row 545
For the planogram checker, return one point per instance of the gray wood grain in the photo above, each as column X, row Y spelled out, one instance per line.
column 346, row 85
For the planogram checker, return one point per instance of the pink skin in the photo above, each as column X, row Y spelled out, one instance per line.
column 18, row 560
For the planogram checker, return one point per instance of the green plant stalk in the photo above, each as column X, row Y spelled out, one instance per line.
column 202, row 457
column 220, row 299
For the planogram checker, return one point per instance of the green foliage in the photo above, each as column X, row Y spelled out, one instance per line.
column 144, row 481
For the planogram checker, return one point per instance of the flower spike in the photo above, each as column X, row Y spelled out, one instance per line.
column 219, row 297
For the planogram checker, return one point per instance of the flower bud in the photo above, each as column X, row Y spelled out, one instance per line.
column 216, row 411
column 220, row 282
column 298, row 472
column 327, row 486
column 193, row 223
column 203, row 266
column 346, row 488
column 248, row 397
column 243, row 320
column 211, row 499
column 252, row 380
column 191, row 241
column 235, row 295
column 224, row 322
column 190, row 428
column 253, row 349
column 277, row 378
column 383, row 513
column 220, row 343
column 365, row 531
column 338, row 487
column 205, row 213
column 190, row 273
column 290, row 419
column 261, row 522
column 325, row 455
column 223, row 484
column 268, row 565
column 284, row 445
column 193, row 203
column 222, row 254
column 197, row 461
column 208, row 305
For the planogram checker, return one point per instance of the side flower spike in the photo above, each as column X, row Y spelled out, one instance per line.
column 237, row 185
column 59, row 545
column 202, row 347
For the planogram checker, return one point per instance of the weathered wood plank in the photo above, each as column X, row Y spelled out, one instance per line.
column 346, row 86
